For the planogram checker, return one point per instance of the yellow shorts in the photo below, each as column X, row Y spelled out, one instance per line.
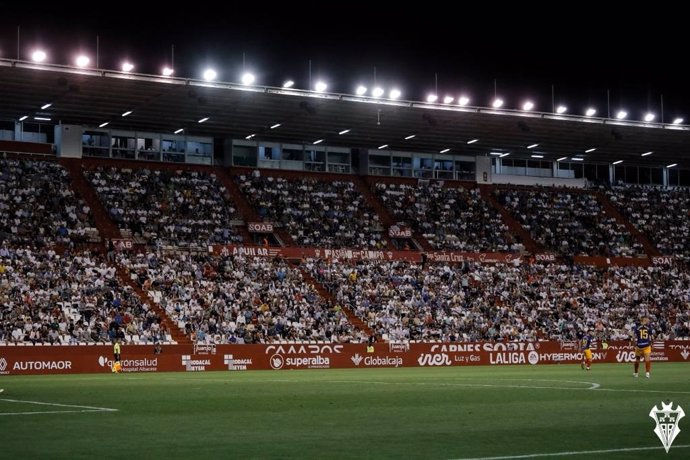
column 587, row 354
column 644, row 351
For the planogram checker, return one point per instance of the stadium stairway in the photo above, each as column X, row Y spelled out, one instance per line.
column 517, row 229
column 611, row 210
column 177, row 334
column 106, row 227
column 247, row 211
column 385, row 217
column 237, row 199
column 326, row 294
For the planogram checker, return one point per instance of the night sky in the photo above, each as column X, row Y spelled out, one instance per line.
column 581, row 49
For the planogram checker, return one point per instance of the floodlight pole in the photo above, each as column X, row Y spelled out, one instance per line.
column 309, row 74
column 662, row 109
column 98, row 48
column 608, row 103
column 172, row 57
column 18, row 28
column 553, row 99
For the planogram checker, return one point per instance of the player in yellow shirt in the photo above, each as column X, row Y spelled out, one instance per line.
column 585, row 343
column 642, row 335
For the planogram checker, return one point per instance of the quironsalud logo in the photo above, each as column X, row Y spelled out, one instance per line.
column 667, row 419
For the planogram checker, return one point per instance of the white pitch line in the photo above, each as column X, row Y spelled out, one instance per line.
column 2, row 414
column 102, row 409
column 581, row 452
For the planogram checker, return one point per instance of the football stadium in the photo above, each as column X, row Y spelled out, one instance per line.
column 194, row 267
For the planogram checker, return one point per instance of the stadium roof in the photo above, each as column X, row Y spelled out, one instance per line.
column 159, row 104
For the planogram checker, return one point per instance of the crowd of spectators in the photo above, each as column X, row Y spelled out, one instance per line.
column 237, row 299
column 470, row 302
column 169, row 207
column 569, row 222
column 69, row 299
column 328, row 214
column 448, row 218
column 663, row 214
column 38, row 207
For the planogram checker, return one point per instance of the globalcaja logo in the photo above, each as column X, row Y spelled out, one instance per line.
column 667, row 419
column 357, row 359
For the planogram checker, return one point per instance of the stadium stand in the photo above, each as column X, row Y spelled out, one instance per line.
column 38, row 207
column 321, row 213
column 167, row 207
column 662, row 214
column 569, row 222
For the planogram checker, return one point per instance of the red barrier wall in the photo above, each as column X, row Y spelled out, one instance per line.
column 81, row 359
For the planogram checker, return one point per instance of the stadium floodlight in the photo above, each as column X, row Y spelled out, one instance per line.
column 277, row 125
column 498, row 154
column 677, row 121
column 472, row 141
column 646, row 154
column 590, row 112
column 672, row 165
column 561, row 109
column 288, row 84
column 463, row 101
column 497, row 103
column 42, row 118
column 649, row 117
column 317, row 142
column 361, row 90
column 23, row 118
column 103, row 125
column 320, row 86
column 82, row 60
column 431, row 98
column 411, row 136
column 167, row 71
column 504, row 155
column 590, row 150
column 210, row 74
column 377, row 92
column 45, row 106
column 448, row 99
column 127, row 66
column 344, row 131
column 382, row 146
column 444, row 151
column 250, row 136
column 38, row 56
column 562, row 158
column 203, row 120
column 621, row 114
column 577, row 159
column 527, row 106
column 127, row 113
column 618, row 162
column 395, row 93
column 178, row 131
column 532, row 146
column 248, row 78
column 537, row 156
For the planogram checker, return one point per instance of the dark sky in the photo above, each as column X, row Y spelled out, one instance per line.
column 582, row 49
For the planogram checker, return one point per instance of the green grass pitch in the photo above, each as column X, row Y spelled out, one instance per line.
column 429, row 413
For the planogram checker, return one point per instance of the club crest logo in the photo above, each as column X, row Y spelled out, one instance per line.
column 667, row 419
